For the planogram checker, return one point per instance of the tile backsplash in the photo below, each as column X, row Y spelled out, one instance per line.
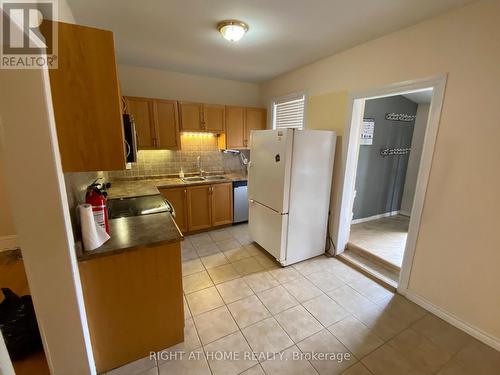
column 162, row 162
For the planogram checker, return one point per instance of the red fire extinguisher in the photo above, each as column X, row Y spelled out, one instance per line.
column 96, row 197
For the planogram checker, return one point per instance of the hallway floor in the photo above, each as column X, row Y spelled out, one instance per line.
column 13, row 276
column 384, row 238
column 240, row 303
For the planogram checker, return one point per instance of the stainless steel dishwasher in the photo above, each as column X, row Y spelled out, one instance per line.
column 240, row 201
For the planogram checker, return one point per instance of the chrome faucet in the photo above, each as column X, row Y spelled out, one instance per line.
column 198, row 162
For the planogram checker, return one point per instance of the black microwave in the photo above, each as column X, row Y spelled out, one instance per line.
column 130, row 138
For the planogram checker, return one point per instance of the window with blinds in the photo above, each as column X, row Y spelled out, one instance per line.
column 289, row 113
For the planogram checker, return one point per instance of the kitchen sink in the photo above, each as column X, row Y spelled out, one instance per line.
column 193, row 179
column 214, row 178
column 206, row 178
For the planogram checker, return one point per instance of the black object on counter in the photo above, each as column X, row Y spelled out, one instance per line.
column 18, row 325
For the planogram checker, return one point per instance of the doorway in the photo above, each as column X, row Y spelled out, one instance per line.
column 13, row 276
column 386, row 162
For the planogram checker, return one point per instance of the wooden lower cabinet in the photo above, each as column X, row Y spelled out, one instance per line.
column 222, row 204
column 134, row 303
column 177, row 197
column 201, row 207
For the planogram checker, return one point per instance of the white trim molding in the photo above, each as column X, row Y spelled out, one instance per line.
column 8, row 243
column 375, row 217
column 448, row 317
column 342, row 215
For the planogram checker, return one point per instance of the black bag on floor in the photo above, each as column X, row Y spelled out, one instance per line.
column 18, row 325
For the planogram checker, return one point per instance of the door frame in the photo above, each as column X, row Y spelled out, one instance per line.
column 350, row 151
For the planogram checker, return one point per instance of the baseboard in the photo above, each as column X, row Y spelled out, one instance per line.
column 374, row 217
column 404, row 213
column 485, row 338
column 8, row 243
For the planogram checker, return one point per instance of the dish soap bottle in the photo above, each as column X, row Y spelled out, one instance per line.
column 181, row 173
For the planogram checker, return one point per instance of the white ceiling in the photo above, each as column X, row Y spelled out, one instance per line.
column 181, row 35
column 420, row 97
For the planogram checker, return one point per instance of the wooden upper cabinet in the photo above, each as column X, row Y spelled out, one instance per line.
column 142, row 110
column 213, row 117
column 86, row 99
column 191, row 116
column 255, row 119
column 199, row 207
column 178, row 198
column 167, row 124
column 200, row 117
column 222, row 204
column 156, row 122
column 235, row 127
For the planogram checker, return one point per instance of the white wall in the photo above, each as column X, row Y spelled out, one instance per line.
column 34, row 181
column 457, row 252
column 5, row 363
column 6, row 223
column 147, row 82
column 8, row 237
column 417, row 143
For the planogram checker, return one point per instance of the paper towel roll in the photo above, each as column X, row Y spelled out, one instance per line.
column 93, row 235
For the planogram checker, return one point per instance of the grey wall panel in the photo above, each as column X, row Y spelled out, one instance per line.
column 380, row 180
column 417, row 145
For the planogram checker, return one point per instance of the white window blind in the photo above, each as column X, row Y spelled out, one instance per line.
column 289, row 113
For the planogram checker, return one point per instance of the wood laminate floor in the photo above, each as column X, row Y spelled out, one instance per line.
column 384, row 238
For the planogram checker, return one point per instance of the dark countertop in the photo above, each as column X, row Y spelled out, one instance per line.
column 149, row 186
column 130, row 233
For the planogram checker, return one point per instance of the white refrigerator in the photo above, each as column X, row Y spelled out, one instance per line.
column 289, row 183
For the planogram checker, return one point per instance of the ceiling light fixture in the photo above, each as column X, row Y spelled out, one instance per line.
column 232, row 30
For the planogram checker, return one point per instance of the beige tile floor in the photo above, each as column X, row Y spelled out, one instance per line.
column 384, row 238
column 319, row 317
